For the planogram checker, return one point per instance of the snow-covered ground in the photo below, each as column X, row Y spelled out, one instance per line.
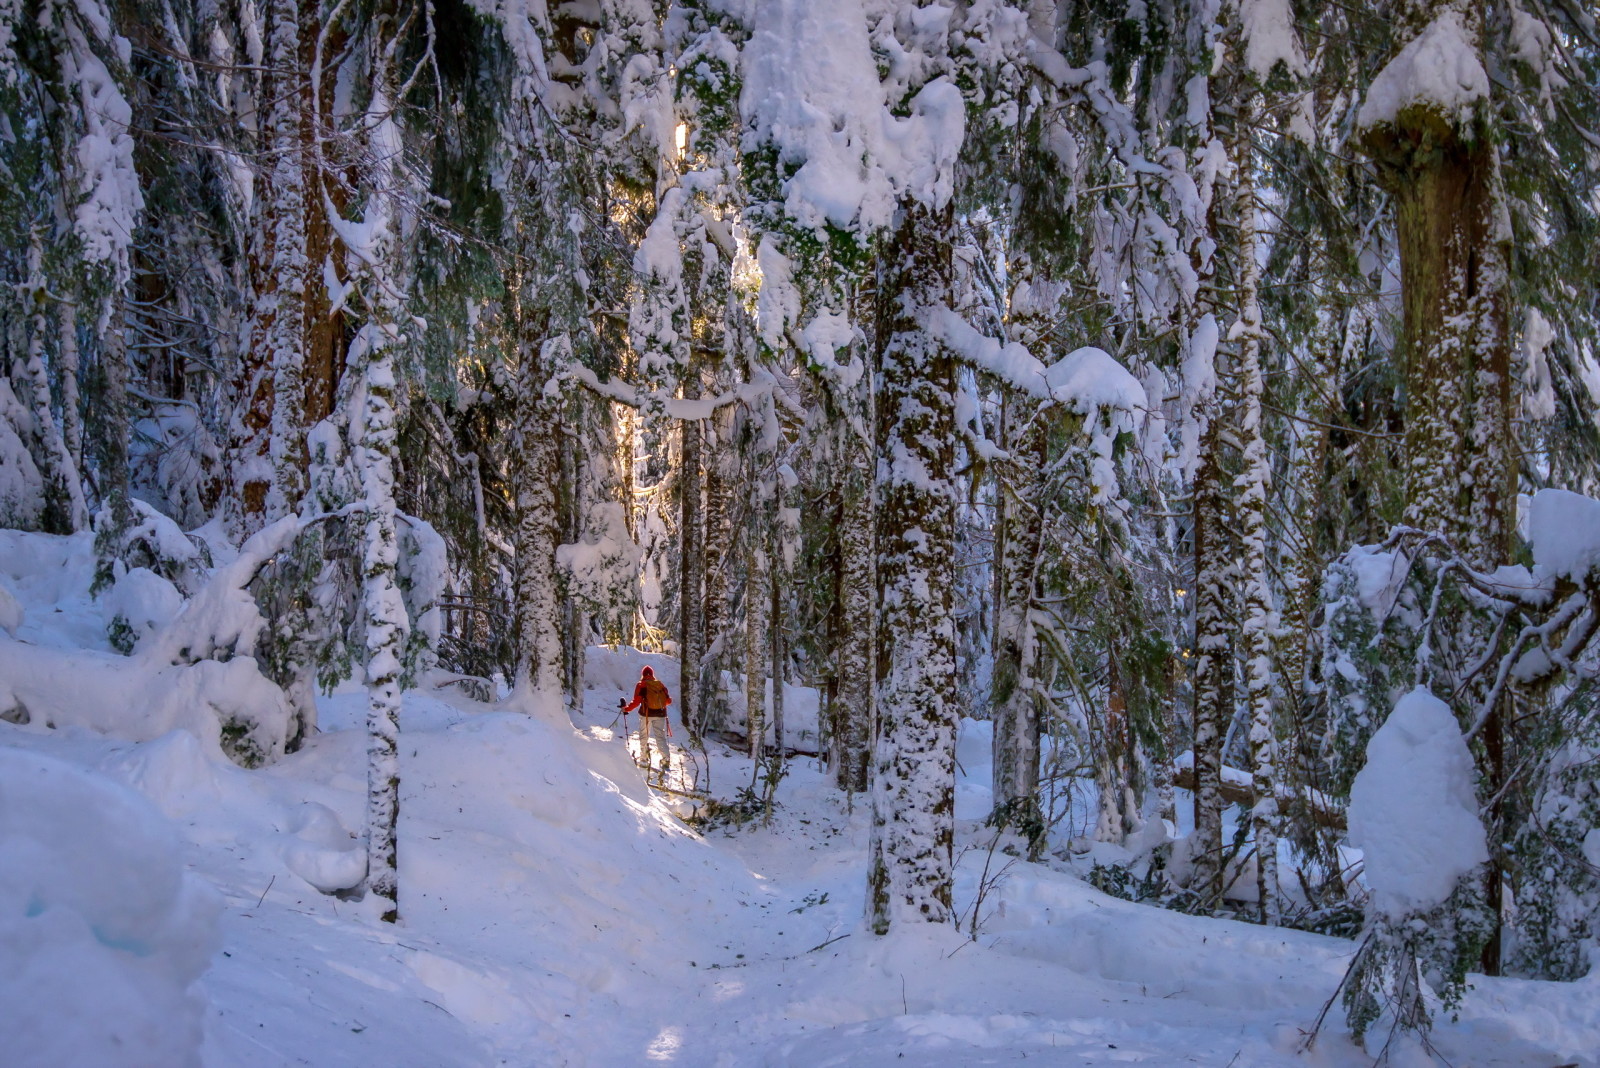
column 556, row 911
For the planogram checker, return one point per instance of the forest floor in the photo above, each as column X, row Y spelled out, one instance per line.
column 557, row 911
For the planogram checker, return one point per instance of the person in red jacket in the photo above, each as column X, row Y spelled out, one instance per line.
column 650, row 696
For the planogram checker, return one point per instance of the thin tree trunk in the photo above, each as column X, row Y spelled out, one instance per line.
column 691, row 577
column 1257, row 617
column 281, row 294
column 757, row 603
column 718, row 537
column 374, row 436
column 1213, row 673
column 114, row 423
column 67, row 372
column 64, row 507
column 855, row 710
column 1014, row 700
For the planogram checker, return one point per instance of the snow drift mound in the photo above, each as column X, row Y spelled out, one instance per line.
column 102, row 931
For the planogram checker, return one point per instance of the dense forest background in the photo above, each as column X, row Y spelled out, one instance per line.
column 1177, row 384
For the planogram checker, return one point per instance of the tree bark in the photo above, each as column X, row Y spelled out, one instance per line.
column 692, row 568
column 913, row 790
column 1213, row 652
column 1444, row 173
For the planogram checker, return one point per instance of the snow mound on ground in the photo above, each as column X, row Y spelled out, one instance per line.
column 321, row 851
column 230, row 706
column 1412, row 808
column 143, row 600
column 101, row 929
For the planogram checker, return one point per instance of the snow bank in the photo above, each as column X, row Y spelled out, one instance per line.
column 1439, row 71
column 101, row 929
column 1412, row 808
column 230, row 706
column 1564, row 528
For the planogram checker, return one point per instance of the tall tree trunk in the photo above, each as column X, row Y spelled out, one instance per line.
column 540, row 661
column 855, row 710
column 281, row 293
column 718, row 528
column 64, row 507
column 913, row 790
column 692, row 567
column 374, row 434
column 1213, row 650
column 757, row 605
column 1444, row 172
column 113, row 420
column 1257, row 618
column 68, row 372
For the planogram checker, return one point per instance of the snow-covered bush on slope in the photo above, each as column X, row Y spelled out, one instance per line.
column 102, row 931
column 1414, row 814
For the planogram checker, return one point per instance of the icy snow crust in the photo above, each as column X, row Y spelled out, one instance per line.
column 556, row 913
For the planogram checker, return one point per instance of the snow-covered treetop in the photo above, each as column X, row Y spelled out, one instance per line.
column 812, row 93
column 1439, row 71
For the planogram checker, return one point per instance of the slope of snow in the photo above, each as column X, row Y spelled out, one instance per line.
column 556, row 911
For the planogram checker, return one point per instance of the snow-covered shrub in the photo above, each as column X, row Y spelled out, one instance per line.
column 102, row 931
column 1414, row 814
column 308, row 596
column 228, row 705
column 1376, row 598
column 150, row 540
column 176, row 462
column 140, row 603
column 1557, row 853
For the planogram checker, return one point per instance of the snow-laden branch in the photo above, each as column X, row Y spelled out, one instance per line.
column 677, row 407
column 1084, row 380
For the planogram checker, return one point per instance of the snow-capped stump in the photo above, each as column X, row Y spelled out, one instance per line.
column 102, row 929
column 320, row 850
column 1412, row 809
